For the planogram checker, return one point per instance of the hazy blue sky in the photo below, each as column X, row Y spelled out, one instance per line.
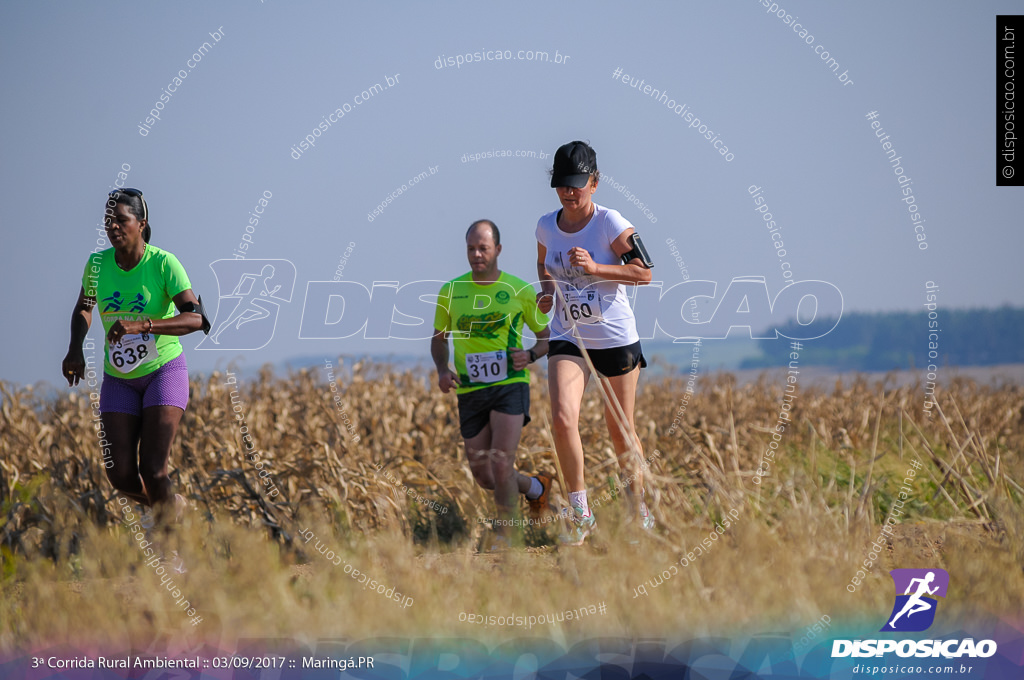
column 80, row 78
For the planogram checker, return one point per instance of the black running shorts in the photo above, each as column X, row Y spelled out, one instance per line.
column 475, row 407
column 608, row 362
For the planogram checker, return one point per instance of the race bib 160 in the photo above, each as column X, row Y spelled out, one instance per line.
column 582, row 307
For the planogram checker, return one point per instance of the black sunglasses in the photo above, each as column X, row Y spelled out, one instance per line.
column 133, row 192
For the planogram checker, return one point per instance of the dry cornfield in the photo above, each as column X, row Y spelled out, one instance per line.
column 72, row 572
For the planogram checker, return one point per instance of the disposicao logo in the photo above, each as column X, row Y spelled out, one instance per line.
column 914, row 611
column 259, row 288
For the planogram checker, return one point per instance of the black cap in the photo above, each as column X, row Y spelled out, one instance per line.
column 574, row 163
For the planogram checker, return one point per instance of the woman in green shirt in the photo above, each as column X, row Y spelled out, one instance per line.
column 138, row 288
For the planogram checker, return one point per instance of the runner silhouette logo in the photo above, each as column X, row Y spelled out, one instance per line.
column 251, row 293
column 916, row 590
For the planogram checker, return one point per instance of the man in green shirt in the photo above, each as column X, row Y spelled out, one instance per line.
column 484, row 312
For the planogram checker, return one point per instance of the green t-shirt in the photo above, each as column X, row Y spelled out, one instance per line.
column 485, row 321
column 145, row 292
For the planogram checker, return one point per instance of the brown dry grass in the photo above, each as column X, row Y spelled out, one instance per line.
column 71, row 572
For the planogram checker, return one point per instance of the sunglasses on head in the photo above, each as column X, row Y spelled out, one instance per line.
column 128, row 191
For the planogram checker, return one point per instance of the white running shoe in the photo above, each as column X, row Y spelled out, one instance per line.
column 176, row 563
column 646, row 518
column 580, row 526
column 180, row 506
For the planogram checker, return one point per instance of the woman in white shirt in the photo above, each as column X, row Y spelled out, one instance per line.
column 586, row 254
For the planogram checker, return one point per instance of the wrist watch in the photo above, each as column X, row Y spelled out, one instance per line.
column 533, row 355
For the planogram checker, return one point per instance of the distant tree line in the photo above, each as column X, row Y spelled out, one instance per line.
column 899, row 340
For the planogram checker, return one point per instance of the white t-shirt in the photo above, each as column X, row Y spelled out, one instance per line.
column 599, row 308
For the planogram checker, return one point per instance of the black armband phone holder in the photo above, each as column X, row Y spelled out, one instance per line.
column 638, row 252
column 198, row 309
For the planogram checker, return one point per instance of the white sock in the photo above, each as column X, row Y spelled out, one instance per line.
column 536, row 489
column 578, row 499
